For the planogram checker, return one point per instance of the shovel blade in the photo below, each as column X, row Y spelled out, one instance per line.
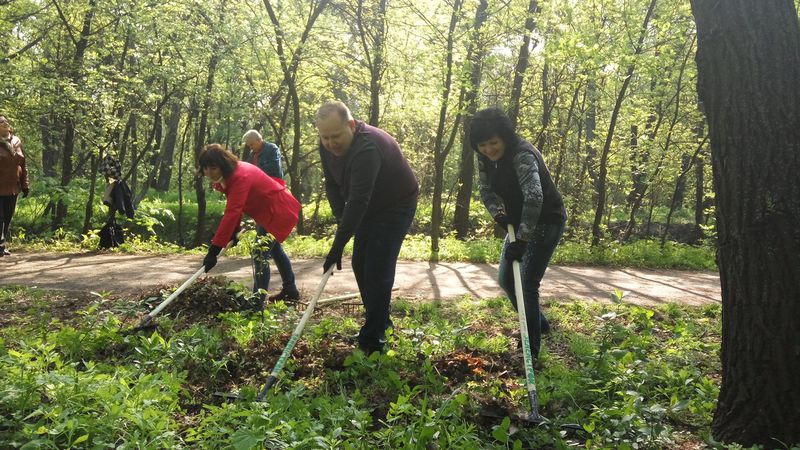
column 526, row 418
column 227, row 395
column 145, row 326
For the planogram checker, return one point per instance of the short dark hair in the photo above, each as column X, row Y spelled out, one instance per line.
column 488, row 123
column 334, row 107
column 215, row 155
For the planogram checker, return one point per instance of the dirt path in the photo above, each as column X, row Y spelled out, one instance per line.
column 132, row 273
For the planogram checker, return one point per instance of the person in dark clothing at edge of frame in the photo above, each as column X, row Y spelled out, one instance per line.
column 13, row 179
column 517, row 189
column 248, row 190
column 373, row 195
column 267, row 157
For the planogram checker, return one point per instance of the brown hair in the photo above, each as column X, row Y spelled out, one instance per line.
column 215, row 155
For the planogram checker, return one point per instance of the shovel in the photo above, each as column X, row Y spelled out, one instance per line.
column 146, row 324
column 534, row 418
column 287, row 351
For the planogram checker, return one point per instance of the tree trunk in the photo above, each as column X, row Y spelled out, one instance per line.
column 375, row 58
column 522, row 62
column 548, row 103
column 181, row 159
column 466, row 174
column 199, row 141
column 168, row 149
column 602, row 176
column 49, row 146
column 76, row 73
column 289, row 68
column 680, row 185
column 294, row 168
column 87, row 217
column 748, row 72
column 439, row 150
column 699, row 197
column 564, row 132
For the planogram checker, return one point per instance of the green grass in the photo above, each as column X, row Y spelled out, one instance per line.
column 633, row 377
column 155, row 229
column 640, row 254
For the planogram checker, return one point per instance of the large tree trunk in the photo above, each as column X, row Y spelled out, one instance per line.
column 466, row 174
column 749, row 71
column 603, row 174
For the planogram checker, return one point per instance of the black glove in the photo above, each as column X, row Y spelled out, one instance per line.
column 502, row 219
column 334, row 257
column 211, row 257
column 235, row 237
column 25, row 192
column 515, row 250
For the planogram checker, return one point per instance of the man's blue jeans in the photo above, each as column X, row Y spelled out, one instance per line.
column 263, row 250
column 376, row 247
column 532, row 267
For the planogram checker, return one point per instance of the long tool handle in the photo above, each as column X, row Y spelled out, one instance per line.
column 530, row 380
column 298, row 330
column 343, row 297
column 175, row 294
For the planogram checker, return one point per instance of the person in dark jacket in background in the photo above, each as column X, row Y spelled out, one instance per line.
column 517, row 189
column 13, row 179
column 267, row 156
column 117, row 197
column 373, row 194
column 248, row 190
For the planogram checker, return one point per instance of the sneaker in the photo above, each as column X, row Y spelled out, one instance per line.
column 4, row 252
column 286, row 295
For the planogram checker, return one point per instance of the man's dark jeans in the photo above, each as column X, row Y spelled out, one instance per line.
column 8, row 203
column 375, row 250
column 532, row 267
column 263, row 251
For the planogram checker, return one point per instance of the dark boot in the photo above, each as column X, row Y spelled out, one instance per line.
column 287, row 295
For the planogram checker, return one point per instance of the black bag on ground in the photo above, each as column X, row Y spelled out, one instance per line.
column 111, row 235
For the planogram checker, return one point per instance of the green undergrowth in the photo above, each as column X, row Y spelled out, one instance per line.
column 640, row 254
column 632, row 377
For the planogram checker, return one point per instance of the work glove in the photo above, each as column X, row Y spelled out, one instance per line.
column 211, row 257
column 515, row 250
column 235, row 237
column 334, row 257
column 502, row 219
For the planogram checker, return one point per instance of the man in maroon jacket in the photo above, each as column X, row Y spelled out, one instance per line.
column 373, row 194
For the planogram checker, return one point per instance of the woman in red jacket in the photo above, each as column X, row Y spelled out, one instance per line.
column 249, row 191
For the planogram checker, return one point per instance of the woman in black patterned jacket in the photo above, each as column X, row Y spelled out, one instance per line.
column 517, row 189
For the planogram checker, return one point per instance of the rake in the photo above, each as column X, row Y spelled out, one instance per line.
column 533, row 418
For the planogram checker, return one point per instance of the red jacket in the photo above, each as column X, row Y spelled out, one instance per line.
column 265, row 199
